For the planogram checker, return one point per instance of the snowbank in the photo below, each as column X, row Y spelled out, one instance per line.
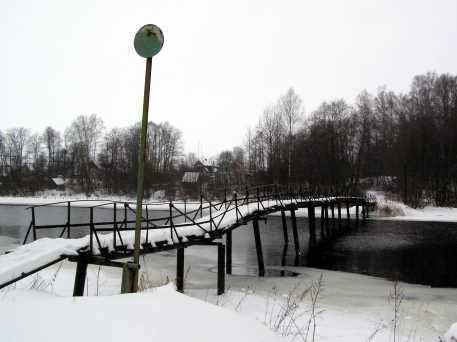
column 398, row 211
column 159, row 315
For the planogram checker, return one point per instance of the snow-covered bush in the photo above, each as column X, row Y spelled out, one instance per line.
column 451, row 334
column 389, row 209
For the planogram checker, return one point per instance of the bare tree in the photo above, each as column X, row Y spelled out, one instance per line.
column 16, row 139
column 291, row 109
column 51, row 139
column 34, row 145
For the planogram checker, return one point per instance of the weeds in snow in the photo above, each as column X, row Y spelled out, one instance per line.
column 290, row 316
column 39, row 283
column 396, row 297
column 380, row 326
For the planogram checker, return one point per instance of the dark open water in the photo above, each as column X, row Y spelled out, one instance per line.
column 414, row 252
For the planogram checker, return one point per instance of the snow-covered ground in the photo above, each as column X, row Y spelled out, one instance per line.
column 160, row 314
column 350, row 307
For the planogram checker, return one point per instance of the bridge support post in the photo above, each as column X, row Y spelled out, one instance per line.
column 294, row 230
column 357, row 214
column 228, row 248
column 327, row 228
column 258, row 247
column 339, row 217
column 348, row 215
column 332, row 207
column 80, row 277
column 312, row 226
column 180, row 269
column 284, row 227
column 220, row 269
column 322, row 222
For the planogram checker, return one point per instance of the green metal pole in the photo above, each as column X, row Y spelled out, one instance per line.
column 140, row 178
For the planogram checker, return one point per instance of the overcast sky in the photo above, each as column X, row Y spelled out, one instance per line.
column 221, row 64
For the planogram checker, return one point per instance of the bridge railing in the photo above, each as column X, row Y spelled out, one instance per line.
column 207, row 214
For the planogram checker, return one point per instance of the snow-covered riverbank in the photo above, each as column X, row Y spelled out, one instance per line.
column 350, row 307
column 395, row 210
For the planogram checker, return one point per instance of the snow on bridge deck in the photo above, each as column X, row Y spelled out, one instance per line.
column 43, row 251
column 27, row 258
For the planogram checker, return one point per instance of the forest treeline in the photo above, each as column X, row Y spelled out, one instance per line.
column 407, row 142
column 92, row 158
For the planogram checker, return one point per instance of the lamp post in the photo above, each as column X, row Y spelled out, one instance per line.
column 148, row 42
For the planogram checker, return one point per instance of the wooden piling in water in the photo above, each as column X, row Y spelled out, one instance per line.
column 312, row 226
column 339, row 217
column 295, row 230
column 228, row 248
column 348, row 215
column 284, row 227
column 180, row 269
column 357, row 214
column 327, row 223
column 258, row 247
column 220, row 269
column 322, row 223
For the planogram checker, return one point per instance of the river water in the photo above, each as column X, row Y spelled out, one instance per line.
column 414, row 252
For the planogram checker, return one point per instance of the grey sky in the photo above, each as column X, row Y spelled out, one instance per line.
column 221, row 64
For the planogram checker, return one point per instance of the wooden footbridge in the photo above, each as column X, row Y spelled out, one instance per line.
column 184, row 224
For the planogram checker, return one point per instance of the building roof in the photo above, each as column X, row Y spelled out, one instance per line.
column 58, row 181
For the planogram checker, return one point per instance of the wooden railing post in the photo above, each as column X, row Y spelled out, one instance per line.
column 68, row 219
column 125, row 215
column 91, row 227
column 114, row 224
column 236, row 206
column 210, row 217
column 33, row 224
column 185, row 209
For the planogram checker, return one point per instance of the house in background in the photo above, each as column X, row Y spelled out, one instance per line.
column 197, row 179
column 59, row 182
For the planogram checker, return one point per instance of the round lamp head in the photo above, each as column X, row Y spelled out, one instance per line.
column 148, row 41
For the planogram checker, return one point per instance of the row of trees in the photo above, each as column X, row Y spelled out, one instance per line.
column 92, row 158
column 406, row 141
